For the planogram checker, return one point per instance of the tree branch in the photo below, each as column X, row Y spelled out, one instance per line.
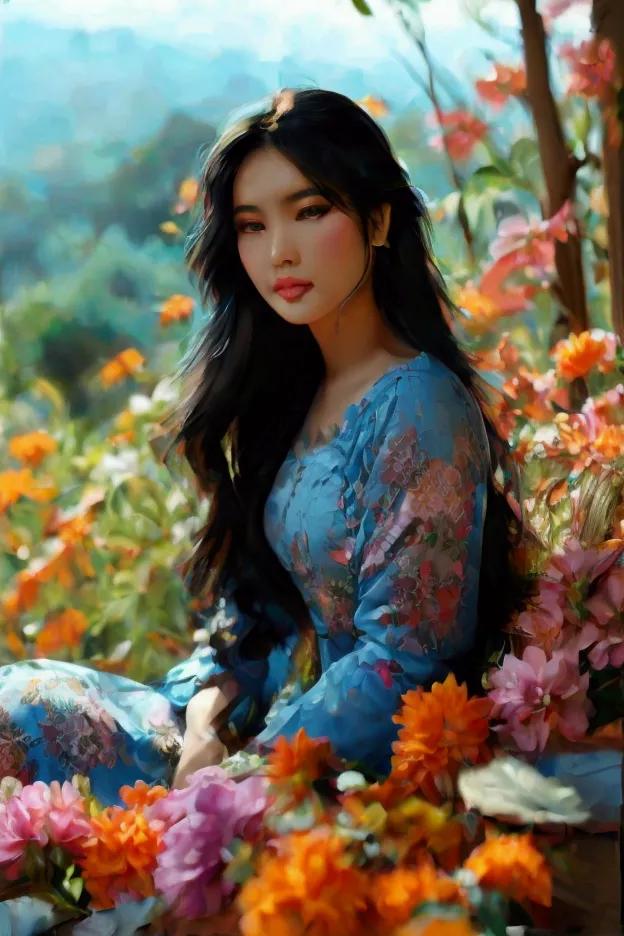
column 558, row 164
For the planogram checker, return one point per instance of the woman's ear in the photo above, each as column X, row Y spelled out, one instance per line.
column 380, row 225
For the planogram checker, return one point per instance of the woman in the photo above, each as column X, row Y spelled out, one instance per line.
column 357, row 541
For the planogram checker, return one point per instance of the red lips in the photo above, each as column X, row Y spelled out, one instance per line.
column 287, row 282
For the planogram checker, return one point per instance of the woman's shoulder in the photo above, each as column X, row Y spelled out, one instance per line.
column 423, row 391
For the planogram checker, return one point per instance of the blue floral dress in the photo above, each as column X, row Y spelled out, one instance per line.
column 380, row 527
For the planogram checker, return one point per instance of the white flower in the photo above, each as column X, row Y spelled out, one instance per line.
column 351, row 780
column 164, row 392
column 115, row 468
column 139, row 404
column 175, row 499
column 509, row 787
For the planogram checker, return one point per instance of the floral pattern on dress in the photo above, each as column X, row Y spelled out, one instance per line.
column 380, row 528
column 80, row 737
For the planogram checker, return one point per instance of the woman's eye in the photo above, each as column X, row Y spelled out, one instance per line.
column 323, row 209
column 320, row 209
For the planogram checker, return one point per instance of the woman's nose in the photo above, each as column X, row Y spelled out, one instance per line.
column 283, row 249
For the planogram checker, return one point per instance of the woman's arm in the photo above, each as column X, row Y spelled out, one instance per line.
column 420, row 502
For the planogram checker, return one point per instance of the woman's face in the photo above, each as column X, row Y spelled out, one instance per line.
column 305, row 238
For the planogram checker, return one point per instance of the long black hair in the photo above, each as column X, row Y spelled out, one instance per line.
column 252, row 376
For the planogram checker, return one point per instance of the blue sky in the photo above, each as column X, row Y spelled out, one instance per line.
column 320, row 29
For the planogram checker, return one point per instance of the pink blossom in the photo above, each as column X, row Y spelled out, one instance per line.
column 526, row 247
column 606, row 606
column 553, row 8
column 66, row 820
column 543, row 619
column 593, row 69
column 42, row 813
column 536, row 695
column 202, row 821
column 18, row 827
column 502, row 83
column 461, row 131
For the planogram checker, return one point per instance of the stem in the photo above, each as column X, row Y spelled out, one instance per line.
column 432, row 93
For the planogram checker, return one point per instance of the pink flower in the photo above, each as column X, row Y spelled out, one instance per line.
column 18, row 827
column 461, row 132
column 66, row 820
column 202, row 821
column 42, row 813
column 553, row 8
column 593, row 69
column 535, row 695
column 606, row 606
column 543, row 620
column 503, row 83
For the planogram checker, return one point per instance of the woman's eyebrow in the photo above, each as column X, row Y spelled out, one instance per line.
column 295, row 196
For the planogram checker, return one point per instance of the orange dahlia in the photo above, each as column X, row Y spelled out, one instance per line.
column 32, row 448
column 577, row 355
column 296, row 764
column 120, row 858
column 513, row 865
column 141, row 795
column 442, row 730
column 310, row 886
column 399, row 892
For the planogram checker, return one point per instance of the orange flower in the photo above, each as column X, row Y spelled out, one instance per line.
column 443, row 729
column 376, row 107
column 32, row 448
column 177, row 308
column 63, row 630
column 141, row 795
column 577, row 355
column 481, row 311
column 610, row 442
column 505, row 82
column 295, row 765
column 425, row 926
column 16, row 484
column 511, row 864
column 311, row 886
column 399, row 892
column 125, row 364
column 120, row 858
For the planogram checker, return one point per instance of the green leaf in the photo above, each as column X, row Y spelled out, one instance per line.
column 362, row 7
column 492, row 913
column 75, row 887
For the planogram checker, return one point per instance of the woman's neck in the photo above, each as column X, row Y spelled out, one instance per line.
column 357, row 345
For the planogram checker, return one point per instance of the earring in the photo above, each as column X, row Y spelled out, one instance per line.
column 385, row 244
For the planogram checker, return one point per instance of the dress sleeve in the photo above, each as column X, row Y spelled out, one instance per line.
column 418, row 501
column 258, row 681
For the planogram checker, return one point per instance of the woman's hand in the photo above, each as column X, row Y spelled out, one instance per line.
column 201, row 747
